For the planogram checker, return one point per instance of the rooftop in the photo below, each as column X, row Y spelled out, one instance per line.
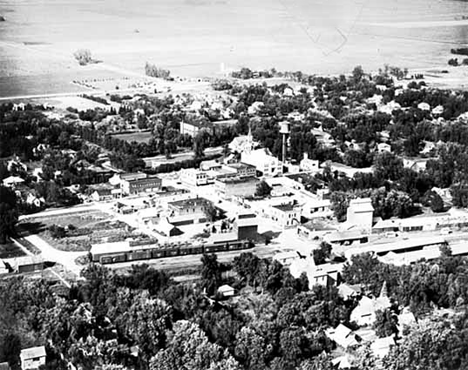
column 285, row 207
column 236, row 179
column 240, row 165
column 33, row 352
column 147, row 180
column 192, row 202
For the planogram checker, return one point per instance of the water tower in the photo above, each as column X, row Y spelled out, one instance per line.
column 284, row 130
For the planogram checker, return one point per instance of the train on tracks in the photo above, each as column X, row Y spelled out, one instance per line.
column 109, row 253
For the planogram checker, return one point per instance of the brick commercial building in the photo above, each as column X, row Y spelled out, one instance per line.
column 141, row 185
column 236, row 186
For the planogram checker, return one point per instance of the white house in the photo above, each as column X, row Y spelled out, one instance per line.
column 364, row 313
column 226, row 291
column 12, row 181
column 384, row 147
column 33, row 358
column 309, row 165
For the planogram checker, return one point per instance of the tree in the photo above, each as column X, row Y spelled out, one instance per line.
column 433, row 343
column 250, row 349
column 190, row 349
column 8, row 213
column 385, row 324
column 211, row 273
column 146, row 323
column 263, row 189
column 199, row 146
column 83, row 56
column 358, row 73
column 10, row 349
column 322, row 253
column 437, row 204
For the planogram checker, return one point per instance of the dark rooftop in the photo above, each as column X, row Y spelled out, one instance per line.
column 190, row 202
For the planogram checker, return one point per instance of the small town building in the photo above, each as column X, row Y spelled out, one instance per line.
column 360, row 214
column 315, row 229
column 165, row 228
column 348, row 292
column 286, row 258
column 246, row 226
column 325, row 274
column 381, row 346
column 143, row 185
column 210, row 165
column 263, row 161
column 384, row 148
column 118, row 178
column 4, row 366
column 343, row 336
column 12, row 181
column 365, row 312
column 243, row 143
column 191, row 176
column 33, row 358
column 229, row 187
column 226, row 291
column 189, row 211
column 194, row 127
column 323, row 137
column 416, row 164
column 102, row 194
column 241, row 169
column 285, row 215
column 27, row 264
column 346, row 237
column 309, row 165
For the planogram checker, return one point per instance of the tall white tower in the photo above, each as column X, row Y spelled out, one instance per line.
column 284, row 130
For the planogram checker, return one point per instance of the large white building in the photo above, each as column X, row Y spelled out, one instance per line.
column 360, row 214
column 263, row 161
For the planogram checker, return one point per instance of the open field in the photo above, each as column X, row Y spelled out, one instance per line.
column 139, row 137
column 194, row 37
column 88, row 228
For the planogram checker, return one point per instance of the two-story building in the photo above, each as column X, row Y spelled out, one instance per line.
column 189, row 211
column 194, row 177
column 242, row 169
column 229, row 187
column 285, row 215
column 263, row 161
column 141, row 185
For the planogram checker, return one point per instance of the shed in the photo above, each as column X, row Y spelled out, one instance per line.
column 226, row 290
column 27, row 264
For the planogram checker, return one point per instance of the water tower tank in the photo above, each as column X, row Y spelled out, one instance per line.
column 284, row 127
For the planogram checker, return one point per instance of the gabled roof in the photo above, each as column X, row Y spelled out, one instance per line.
column 225, row 288
column 33, row 352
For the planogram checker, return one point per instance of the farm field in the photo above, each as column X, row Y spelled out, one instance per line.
column 199, row 38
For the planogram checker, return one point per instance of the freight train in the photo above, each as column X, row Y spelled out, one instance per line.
column 127, row 253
